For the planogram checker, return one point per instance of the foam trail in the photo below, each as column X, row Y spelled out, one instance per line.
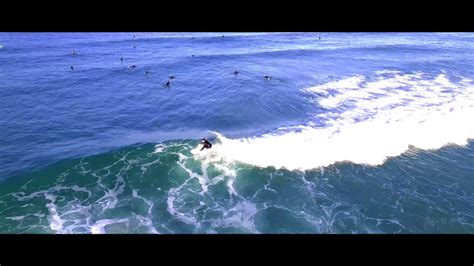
column 376, row 119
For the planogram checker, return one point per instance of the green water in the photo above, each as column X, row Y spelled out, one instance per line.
column 165, row 189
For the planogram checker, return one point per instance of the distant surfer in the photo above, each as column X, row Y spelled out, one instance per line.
column 267, row 77
column 132, row 66
column 146, row 72
column 192, row 55
column 72, row 68
column 121, row 59
column 73, row 52
column 168, row 83
column 171, row 77
column 236, row 72
column 134, row 47
column 205, row 144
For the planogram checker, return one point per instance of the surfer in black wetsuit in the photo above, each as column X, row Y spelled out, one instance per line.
column 205, row 144
column 267, row 77
column 72, row 68
column 168, row 83
column 236, row 72
column 121, row 59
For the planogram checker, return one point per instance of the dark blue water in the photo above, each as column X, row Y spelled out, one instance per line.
column 354, row 132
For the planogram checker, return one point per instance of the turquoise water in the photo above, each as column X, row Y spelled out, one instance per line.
column 354, row 133
column 139, row 190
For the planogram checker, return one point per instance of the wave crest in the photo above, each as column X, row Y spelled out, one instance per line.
column 376, row 119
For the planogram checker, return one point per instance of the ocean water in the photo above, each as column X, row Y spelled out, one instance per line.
column 353, row 133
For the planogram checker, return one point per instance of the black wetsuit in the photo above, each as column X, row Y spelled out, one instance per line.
column 206, row 144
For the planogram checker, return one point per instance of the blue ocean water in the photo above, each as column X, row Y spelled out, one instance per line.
column 353, row 133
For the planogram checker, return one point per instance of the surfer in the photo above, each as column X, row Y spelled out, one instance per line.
column 171, row 77
column 205, row 144
column 236, row 72
column 72, row 68
column 168, row 83
column 146, row 72
column 267, row 77
column 73, row 52
column 132, row 66
column 121, row 59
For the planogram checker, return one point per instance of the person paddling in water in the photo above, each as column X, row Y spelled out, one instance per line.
column 205, row 144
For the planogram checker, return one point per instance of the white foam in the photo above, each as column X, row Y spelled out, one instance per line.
column 110, row 198
column 386, row 115
column 159, row 148
column 81, row 189
column 347, row 83
column 56, row 223
column 99, row 226
column 173, row 195
column 386, row 71
column 241, row 215
column 147, row 221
